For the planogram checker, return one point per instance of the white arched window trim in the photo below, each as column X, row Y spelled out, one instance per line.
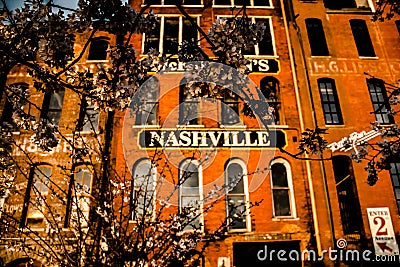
column 200, row 177
column 290, row 186
column 153, row 173
column 246, row 193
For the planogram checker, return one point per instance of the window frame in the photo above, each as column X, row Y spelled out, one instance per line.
column 328, row 102
column 292, row 200
column 153, row 175
column 251, row 5
column 162, row 26
column 256, row 48
column 383, row 93
column 200, row 192
column 318, row 47
column 245, row 194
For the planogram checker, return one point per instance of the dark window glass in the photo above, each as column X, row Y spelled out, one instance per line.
column 7, row 114
column 329, row 101
column 362, row 38
column 395, row 176
column 230, row 108
column 270, row 89
column 98, row 49
column 235, row 198
column 223, row 2
column 148, row 103
column 189, row 32
column 241, row 2
column 52, row 106
column 192, row 2
column 316, row 37
column 339, row 4
column 188, row 108
column 379, row 100
column 265, row 47
column 349, row 205
column 152, row 39
column 171, row 35
column 190, row 194
column 398, row 25
column 262, row 3
column 153, row 2
column 280, row 190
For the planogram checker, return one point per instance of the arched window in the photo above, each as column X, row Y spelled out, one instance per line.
column 316, row 37
column 190, row 179
column 37, row 189
column 98, row 49
column 81, row 196
column 269, row 87
column 147, row 102
column 282, row 189
column 237, row 210
column 189, row 105
column 330, row 101
column 52, row 106
column 230, row 108
column 380, row 101
column 144, row 186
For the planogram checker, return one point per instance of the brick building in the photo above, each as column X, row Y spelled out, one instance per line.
column 335, row 43
column 303, row 68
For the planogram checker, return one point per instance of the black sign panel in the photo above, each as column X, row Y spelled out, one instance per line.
column 211, row 138
column 261, row 254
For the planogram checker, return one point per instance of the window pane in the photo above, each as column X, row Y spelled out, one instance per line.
column 192, row 2
column 152, row 39
column 189, row 32
column 91, row 120
column 235, row 179
column 41, row 180
column 262, row 3
column 279, row 175
column 236, row 212
column 223, row 2
column 281, row 202
column 144, row 187
column 266, row 47
column 171, row 33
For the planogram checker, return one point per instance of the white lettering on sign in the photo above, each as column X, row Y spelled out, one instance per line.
column 354, row 139
column 382, row 232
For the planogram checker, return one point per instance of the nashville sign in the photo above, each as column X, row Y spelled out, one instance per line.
column 210, row 138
